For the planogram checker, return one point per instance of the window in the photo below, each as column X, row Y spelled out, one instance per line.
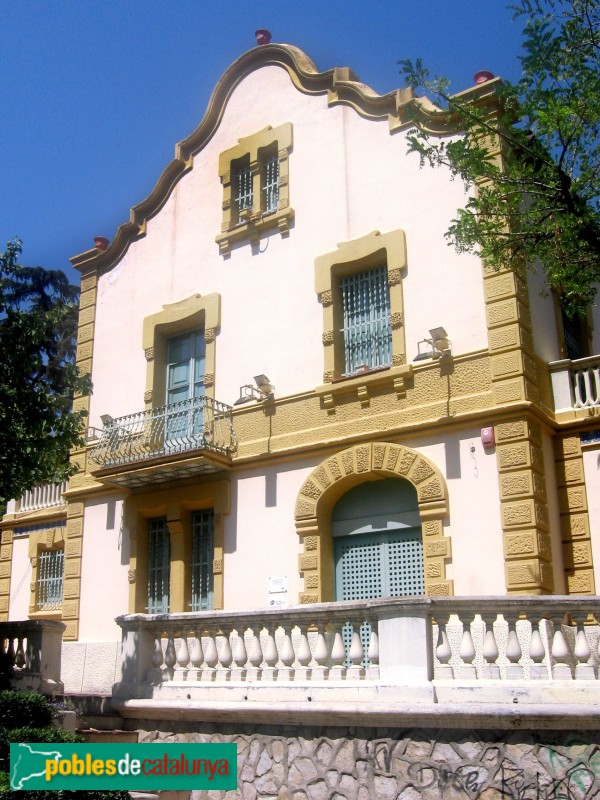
column 359, row 286
column 202, row 560
column 255, row 179
column 270, row 181
column 243, row 185
column 185, row 390
column 50, row 572
column 159, row 566
column 242, row 181
column 576, row 334
column 367, row 330
column 176, row 556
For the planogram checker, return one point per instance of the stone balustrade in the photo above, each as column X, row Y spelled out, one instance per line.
column 576, row 384
column 46, row 495
column 32, row 649
column 537, row 650
column 552, row 638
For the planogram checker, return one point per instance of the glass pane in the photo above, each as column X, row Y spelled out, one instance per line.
column 179, row 348
column 159, row 566
column 179, row 374
column 202, row 558
column 367, row 329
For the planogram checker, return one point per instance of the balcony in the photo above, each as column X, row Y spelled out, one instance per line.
column 44, row 496
column 576, row 384
column 175, row 441
column 403, row 661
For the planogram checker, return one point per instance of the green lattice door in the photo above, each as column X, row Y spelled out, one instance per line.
column 379, row 564
column 378, row 549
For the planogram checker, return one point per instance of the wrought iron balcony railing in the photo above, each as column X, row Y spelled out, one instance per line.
column 198, row 423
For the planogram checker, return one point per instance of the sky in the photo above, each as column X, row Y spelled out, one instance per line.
column 95, row 94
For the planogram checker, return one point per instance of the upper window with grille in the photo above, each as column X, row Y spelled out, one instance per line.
column 359, row 286
column 255, row 178
column 50, row 572
column 367, row 329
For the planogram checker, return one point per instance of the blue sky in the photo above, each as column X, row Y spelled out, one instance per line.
column 95, row 94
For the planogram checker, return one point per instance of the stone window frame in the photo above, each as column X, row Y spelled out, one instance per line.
column 177, row 506
column 194, row 313
column 258, row 220
column 52, row 538
column 358, row 255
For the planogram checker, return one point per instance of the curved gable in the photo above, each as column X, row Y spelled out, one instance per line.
column 341, row 86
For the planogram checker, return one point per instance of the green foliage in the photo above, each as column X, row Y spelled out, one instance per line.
column 24, row 709
column 26, row 717
column 31, row 734
column 540, row 203
column 38, row 376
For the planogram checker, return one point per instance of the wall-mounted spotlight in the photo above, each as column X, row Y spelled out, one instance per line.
column 437, row 346
column 107, row 420
column 261, row 392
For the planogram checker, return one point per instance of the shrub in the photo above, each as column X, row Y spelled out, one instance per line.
column 24, row 709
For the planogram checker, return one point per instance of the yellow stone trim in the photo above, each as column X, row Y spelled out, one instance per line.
column 194, row 313
column 523, row 507
column 51, row 538
column 176, row 503
column 252, row 149
column 353, row 256
column 335, row 475
column 574, row 518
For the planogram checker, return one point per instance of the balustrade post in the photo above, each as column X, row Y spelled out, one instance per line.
column 269, row 652
column 194, row 673
column 239, row 656
column 584, row 668
column 443, row 652
column 285, row 671
column 337, row 654
column 183, row 658
column 223, row 665
column 136, row 656
column 563, row 662
column 405, row 653
column 356, row 652
column 211, row 656
column 303, row 657
column 254, row 655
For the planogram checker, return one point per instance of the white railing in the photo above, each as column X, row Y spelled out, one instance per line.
column 576, row 384
column 432, row 645
column 46, row 495
column 541, row 639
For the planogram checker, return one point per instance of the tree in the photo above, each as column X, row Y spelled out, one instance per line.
column 539, row 203
column 38, row 376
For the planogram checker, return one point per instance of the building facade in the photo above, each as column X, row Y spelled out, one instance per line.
column 301, row 394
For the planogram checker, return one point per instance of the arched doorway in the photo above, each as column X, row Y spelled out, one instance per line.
column 377, row 541
column 361, row 465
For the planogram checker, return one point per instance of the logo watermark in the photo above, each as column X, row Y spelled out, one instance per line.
column 141, row 767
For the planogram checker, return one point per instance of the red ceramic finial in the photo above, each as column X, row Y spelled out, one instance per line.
column 101, row 242
column 263, row 36
column 483, row 76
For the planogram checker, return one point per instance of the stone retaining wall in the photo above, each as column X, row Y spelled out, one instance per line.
column 310, row 763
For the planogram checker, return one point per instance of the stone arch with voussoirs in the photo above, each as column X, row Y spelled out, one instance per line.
column 338, row 473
